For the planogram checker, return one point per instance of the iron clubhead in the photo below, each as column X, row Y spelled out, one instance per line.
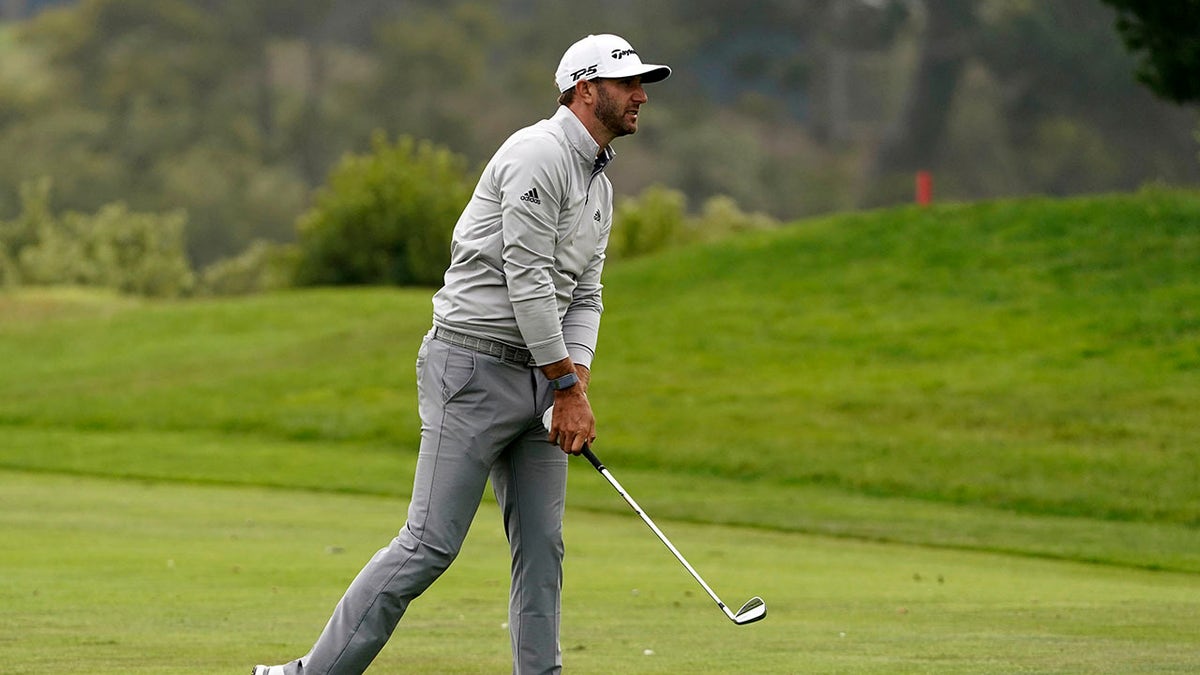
column 754, row 610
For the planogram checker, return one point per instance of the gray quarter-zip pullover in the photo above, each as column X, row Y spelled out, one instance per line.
column 528, row 249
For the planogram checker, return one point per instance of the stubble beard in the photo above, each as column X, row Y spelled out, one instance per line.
column 612, row 115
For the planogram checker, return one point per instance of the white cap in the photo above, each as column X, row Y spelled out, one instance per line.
column 604, row 56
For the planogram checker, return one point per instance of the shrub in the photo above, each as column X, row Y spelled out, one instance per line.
column 720, row 217
column 385, row 217
column 263, row 266
column 651, row 222
column 136, row 253
column 58, row 255
column 657, row 220
column 18, row 234
column 10, row 275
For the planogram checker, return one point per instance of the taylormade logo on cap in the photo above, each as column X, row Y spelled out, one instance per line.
column 604, row 56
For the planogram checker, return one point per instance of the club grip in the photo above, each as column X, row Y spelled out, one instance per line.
column 591, row 457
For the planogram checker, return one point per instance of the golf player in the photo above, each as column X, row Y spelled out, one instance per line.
column 514, row 331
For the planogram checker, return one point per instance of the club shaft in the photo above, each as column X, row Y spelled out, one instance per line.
column 591, row 457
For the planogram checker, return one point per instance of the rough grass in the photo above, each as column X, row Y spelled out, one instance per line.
column 1038, row 356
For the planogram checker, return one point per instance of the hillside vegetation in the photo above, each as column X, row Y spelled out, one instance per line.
column 1018, row 375
column 233, row 114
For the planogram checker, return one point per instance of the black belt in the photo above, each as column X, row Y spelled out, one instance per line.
column 500, row 350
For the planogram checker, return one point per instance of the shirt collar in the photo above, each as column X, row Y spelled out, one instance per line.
column 582, row 141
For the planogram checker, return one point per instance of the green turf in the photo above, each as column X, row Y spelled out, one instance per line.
column 1030, row 359
column 374, row 468
column 117, row 576
column 1017, row 378
column 1035, row 355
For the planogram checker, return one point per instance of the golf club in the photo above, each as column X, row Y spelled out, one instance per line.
column 753, row 610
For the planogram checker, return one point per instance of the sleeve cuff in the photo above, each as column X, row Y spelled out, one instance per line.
column 547, row 354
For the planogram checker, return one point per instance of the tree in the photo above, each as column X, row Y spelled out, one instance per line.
column 235, row 111
column 423, row 51
column 173, row 104
column 384, row 218
column 1060, row 83
column 1166, row 37
column 950, row 27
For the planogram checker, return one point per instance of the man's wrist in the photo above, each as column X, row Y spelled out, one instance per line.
column 555, row 370
column 565, row 381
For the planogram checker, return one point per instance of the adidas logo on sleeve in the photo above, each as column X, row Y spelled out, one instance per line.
column 531, row 197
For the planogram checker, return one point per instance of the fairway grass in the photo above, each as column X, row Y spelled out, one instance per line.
column 106, row 575
column 378, row 470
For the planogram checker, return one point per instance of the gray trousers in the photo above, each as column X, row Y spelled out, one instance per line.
column 480, row 418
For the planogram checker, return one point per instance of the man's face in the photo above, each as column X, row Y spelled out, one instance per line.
column 618, row 103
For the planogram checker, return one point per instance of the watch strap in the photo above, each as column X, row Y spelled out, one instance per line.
column 565, row 382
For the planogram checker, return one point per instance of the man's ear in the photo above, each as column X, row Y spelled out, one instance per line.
column 585, row 91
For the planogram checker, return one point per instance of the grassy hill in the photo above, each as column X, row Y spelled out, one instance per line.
column 1033, row 355
column 1018, row 376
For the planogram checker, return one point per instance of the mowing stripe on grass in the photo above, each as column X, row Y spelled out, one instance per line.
column 114, row 576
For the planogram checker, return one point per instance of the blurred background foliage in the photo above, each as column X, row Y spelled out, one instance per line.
column 234, row 116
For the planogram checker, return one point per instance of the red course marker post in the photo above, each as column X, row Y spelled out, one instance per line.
column 924, row 188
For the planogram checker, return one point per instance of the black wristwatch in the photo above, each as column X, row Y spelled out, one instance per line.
column 565, row 382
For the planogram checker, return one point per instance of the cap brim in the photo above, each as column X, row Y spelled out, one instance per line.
column 649, row 72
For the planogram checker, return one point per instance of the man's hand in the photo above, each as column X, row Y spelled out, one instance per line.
column 573, row 425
